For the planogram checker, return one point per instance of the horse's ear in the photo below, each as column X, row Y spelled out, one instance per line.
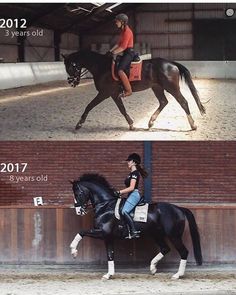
column 70, row 181
column 64, row 55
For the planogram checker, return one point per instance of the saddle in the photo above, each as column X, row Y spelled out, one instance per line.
column 133, row 73
column 139, row 213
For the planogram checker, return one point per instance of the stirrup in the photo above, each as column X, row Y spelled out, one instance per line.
column 121, row 94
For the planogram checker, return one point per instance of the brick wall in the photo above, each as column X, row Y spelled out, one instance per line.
column 182, row 171
column 194, row 171
column 61, row 162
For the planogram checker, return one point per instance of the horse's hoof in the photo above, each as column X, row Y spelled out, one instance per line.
column 78, row 126
column 153, row 270
column 131, row 127
column 194, row 127
column 74, row 253
column 176, row 276
column 106, row 277
column 150, row 124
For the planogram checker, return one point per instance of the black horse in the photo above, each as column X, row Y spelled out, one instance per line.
column 157, row 73
column 163, row 220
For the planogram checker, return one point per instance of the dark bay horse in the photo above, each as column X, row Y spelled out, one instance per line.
column 164, row 220
column 158, row 74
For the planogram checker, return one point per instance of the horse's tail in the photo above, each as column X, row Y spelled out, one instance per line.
column 184, row 72
column 194, row 235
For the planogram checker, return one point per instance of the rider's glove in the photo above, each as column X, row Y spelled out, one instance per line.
column 117, row 194
column 109, row 54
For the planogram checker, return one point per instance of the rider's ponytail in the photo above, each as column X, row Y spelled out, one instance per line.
column 142, row 171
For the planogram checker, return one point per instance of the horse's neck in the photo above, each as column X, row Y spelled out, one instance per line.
column 93, row 64
column 99, row 194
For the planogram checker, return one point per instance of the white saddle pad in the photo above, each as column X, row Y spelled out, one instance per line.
column 140, row 212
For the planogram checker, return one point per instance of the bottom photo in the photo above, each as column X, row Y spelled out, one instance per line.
column 120, row 208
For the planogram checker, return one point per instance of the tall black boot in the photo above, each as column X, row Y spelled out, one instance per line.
column 133, row 232
column 126, row 83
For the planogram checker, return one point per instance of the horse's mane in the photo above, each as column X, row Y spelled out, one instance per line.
column 91, row 55
column 86, row 52
column 97, row 179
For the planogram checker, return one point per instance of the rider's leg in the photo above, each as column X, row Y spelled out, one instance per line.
column 124, row 64
column 129, row 221
column 124, row 79
column 130, row 204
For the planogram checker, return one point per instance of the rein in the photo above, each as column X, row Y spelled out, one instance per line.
column 85, row 71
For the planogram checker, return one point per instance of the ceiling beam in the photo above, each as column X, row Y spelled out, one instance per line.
column 126, row 9
column 84, row 19
column 44, row 11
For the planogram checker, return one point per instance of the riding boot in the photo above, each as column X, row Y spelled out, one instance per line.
column 126, row 83
column 133, row 233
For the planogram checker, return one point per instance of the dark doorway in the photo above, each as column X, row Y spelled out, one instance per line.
column 214, row 39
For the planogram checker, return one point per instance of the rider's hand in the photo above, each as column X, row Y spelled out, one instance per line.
column 109, row 54
column 117, row 194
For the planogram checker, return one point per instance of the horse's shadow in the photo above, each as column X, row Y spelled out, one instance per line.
column 106, row 130
column 160, row 130
column 100, row 129
column 93, row 130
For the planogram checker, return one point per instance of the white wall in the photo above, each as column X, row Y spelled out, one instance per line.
column 211, row 69
column 23, row 74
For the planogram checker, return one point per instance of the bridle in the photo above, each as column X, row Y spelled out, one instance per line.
column 74, row 80
column 81, row 208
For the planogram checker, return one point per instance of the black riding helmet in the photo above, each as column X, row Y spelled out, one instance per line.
column 135, row 157
column 123, row 18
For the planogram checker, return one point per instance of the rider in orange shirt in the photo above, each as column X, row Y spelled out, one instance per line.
column 125, row 46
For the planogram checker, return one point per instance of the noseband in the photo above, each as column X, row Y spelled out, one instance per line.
column 81, row 209
column 74, row 80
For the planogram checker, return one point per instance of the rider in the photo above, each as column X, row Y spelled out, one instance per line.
column 131, row 183
column 125, row 45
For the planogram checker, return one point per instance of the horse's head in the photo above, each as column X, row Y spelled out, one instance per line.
column 73, row 67
column 81, row 197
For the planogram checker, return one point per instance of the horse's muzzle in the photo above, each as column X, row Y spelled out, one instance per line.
column 80, row 210
column 73, row 81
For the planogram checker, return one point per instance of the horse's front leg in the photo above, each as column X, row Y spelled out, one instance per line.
column 97, row 100
column 118, row 101
column 110, row 257
column 93, row 233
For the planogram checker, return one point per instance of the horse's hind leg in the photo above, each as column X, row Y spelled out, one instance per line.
column 164, row 249
column 110, row 257
column 159, row 92
column 118, row 101
column 184, row 104
column 183, row 252
column 98, row 99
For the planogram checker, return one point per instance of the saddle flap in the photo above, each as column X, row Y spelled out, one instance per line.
column 135, row 72
column 140, row 213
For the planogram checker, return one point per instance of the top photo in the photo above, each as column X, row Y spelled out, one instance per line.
column 117, row 71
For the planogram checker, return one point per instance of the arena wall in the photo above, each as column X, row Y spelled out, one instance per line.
column 22, row 74
column 43, row 235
